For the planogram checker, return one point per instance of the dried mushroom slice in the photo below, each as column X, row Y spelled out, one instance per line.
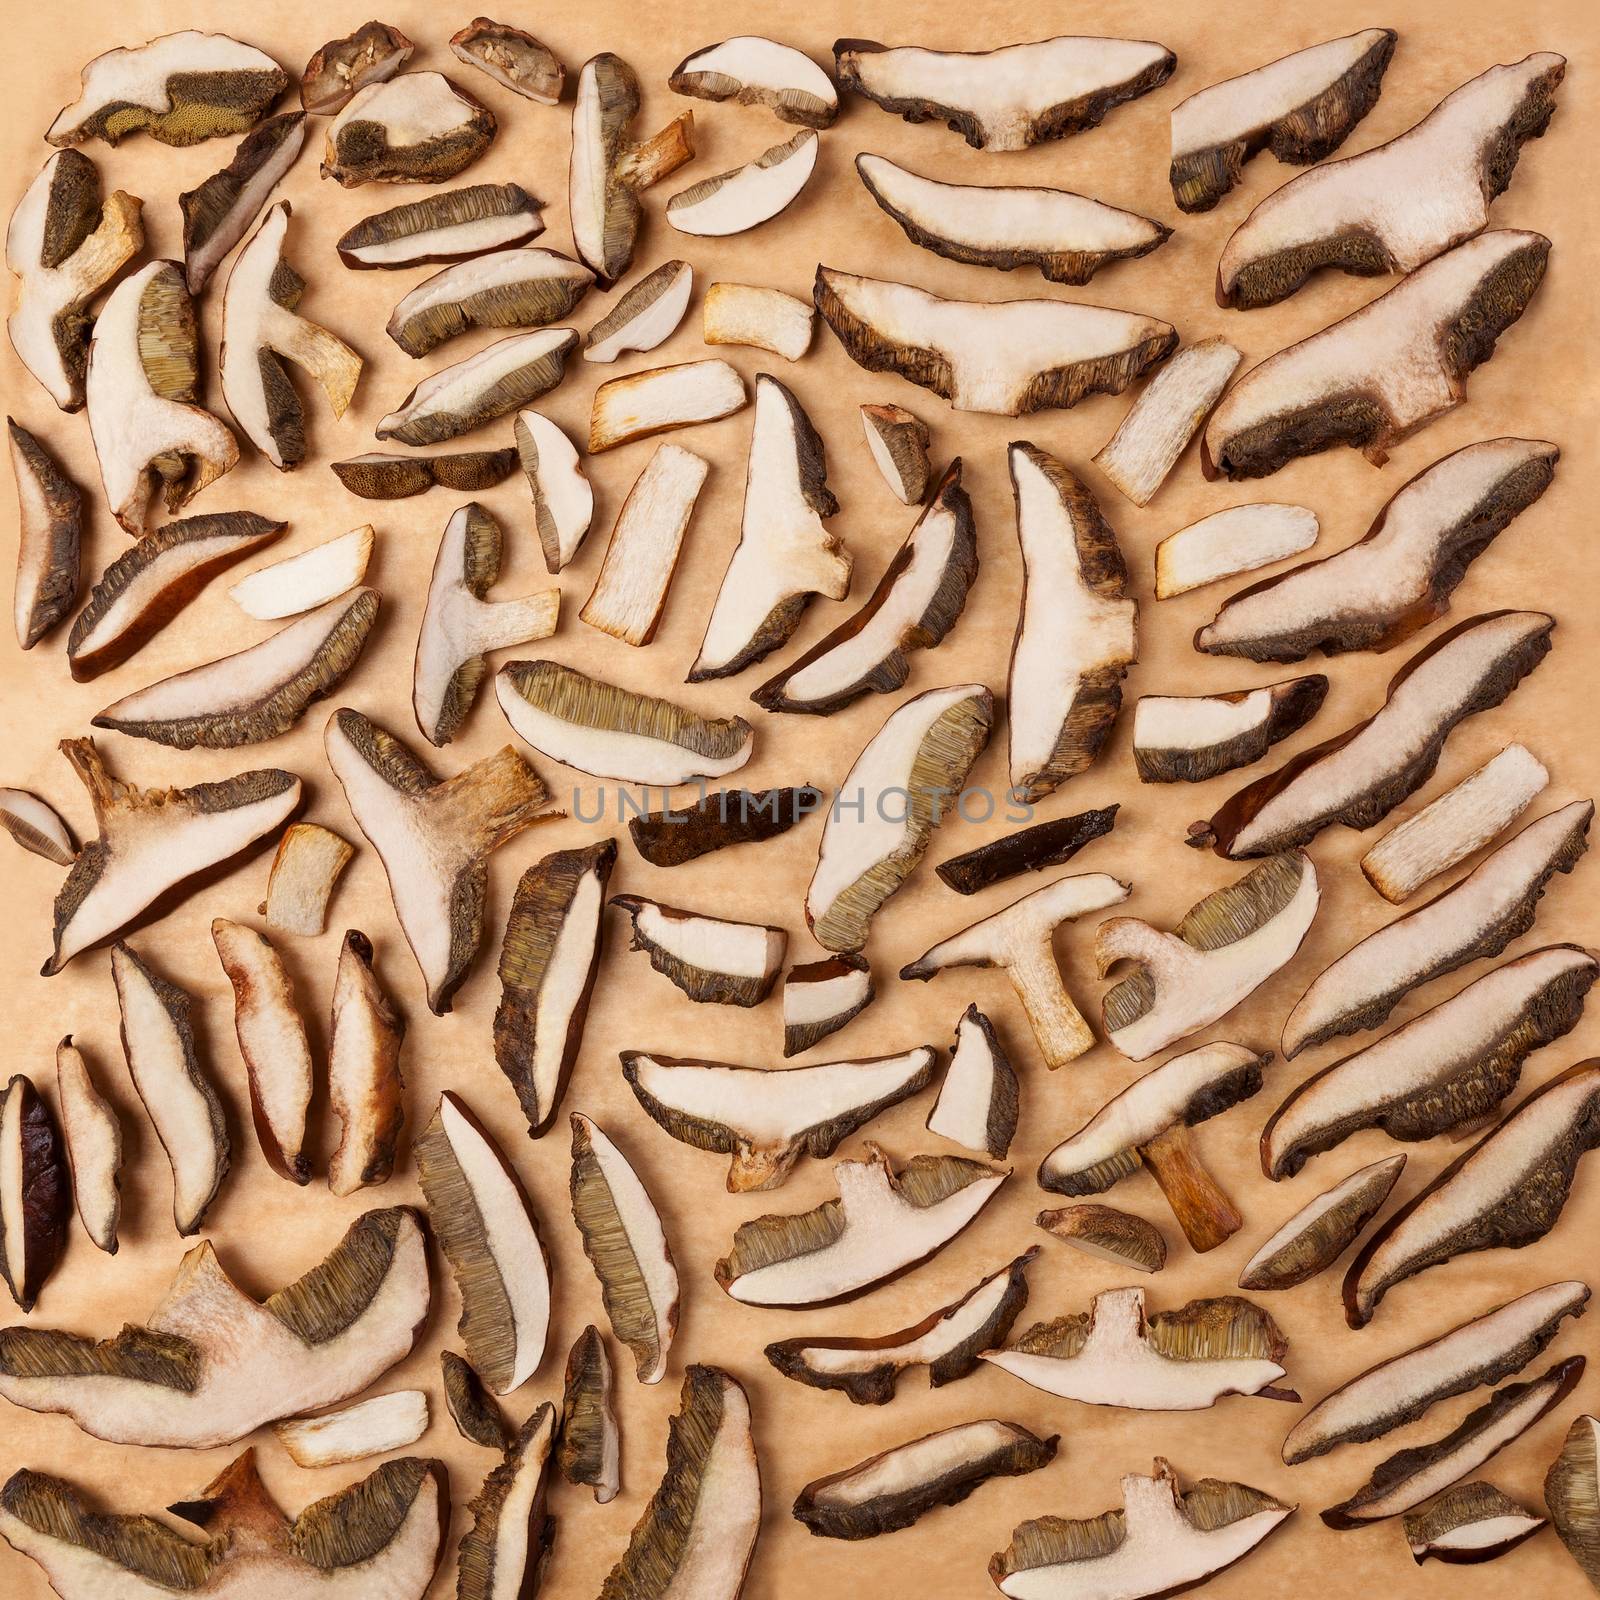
column 49, row 519
column 1569, row 1494
column 150, row 844
column 213, row 1363
column 1229, row 542
column 1006, row 357
column 1189, row 738
column 380, row 476
column 1108, row 1234
column 977, row 1104
column 820, row 997
column 639, row 404
column 444, row 227
column 521, row 288
column 765, row 319
column 475, row 1412
column 1400, row 204
column 365, row 1088
column 591, row 1440
column 627, row 1247
column 505, row 1550
column 417, row 127
column 563, row 498
column 648, row 314
column 711, row 959
column 1383, row 372
column 434, row 837
column 297, row 583
column 671, row 838
column 883, row 1224
column 94, row 1146
column 752, row 71
column 899, row 444
column 65, row 244
column 745, row 197
column 1010, row 98
column 305, row 870
column 1032, row 849
column 35, row 826
column 343, row 67
column 35, row 1193
column 1471, row 1523
column 514, row 59
column 218, row 214
column 368, row 1428
column 1320, row 1231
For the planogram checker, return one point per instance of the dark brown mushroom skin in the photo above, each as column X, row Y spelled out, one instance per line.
column 45, row 1191
column 1045, row 844
column 670, row 838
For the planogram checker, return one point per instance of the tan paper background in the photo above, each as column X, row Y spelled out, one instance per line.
column 1541, row 383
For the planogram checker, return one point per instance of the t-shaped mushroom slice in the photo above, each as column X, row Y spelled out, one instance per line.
column 1149, row 1123
column 752, row 71
column 49, row 521
column 417, row 127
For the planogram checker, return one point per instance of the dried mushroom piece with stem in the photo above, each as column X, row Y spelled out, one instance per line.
column 712, row 959
column 365, row 1088
column 297, row 583
column 1320, row 1231
column 1031, row 849
column 529, row 287
column 49, row 520
column 514, row 59
column 344, row 66
column 672, row 838
column 1470, row 1523
column 417, row 127
column 475, row 1412
column 444, row 227
column 745, row 197
column 977, row 1104
column 640, row 404
column 505, row 1550
column 34, row 825
column 378, row 475
column 35, row 1192
column 646, row 315
column 1570, row 1488
column 1190, row 738
column 218, row 214
column 1108, row 1234
column 306, row 868
column 820, row 997
column 591, row 1439
column 563, row 498
column 371, row 1427
column 753, row 71
column 898, row 441
column 1229, row 542
column 764, row 319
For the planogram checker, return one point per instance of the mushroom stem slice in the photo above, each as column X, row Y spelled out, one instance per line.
column 899, row 444
column 563, row 498
column 753, row 71
column 728, row 817
column 820, row 997
column 298, row 583
column 528, row 287
column 514, row 59
column 765, row 319
column 475, row 1412
column 1471, row 1523
column 1229, row 542
column 505, row 1550
column 417, row 127
column 1320, row 1231
column 1045, row 844
column 343, row 67
column 1569, row 1494
column 365, row 1089
column 35, row 1192
column 639, row 404
column 218, row 214
column 49, row 518
column 444, row 227
column 1189, row 738
column 745, row 197
column 305, row 869
column 712, row 959
column 977, row 1104
column 1109, row 1234
column 368, row 1428
column 36, row 827
column 647, row 315
column 591, row 1441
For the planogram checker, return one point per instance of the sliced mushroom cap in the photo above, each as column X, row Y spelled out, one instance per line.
column 1189, row 738
column 365, row 1089
column 301, row 582
column 1569, row 1493
column 977, row 1104
column 671, row 838
column 381, row 476
column 753, row 71
column 899, row 444
column 647, row 315
column 505, row 1550
column 639, row 404
column 591, row 1440
column 218, row 214
column 417, row 127
column 35, row 1193
column 370, row 1427
column 36, row 827
column 94, row 1146
column 372, row 54
column 820, row 997
column 1229, row 542
column 1470, row 1523
column 563, row 498
column 712, row 959
column 1032, row 849
column 1321, row 1230
column 49, row 520
column 1109, row 1234
column 514, row 59
column 475, row 1412
column 305, row 869
column 444, row 227
column 745, row 197
column 522, row 288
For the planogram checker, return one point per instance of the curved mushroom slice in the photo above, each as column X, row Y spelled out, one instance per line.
column 1020, row 941
column 35, row 1192
column 1189, row 738
column 563, row 498
column 1472, row 921
column 150, row 843
column 343, row 67
column 1506, row 1192
column 647, row 315
column 977, row 1104
column 1077, row 632
column 444, row 227
column 1320, row 1231
column 946, row 1341
column 627, row 1247
column 883, row 1224
column 1223, row 950
column 820, row 997
column 745, row 197
column 434, row 837
column 1010, row 98
column 379, row 476
column 36, row 827
column 497, row 380
column 1229, row 542
column 899, row 444
column 213, row 1363
column 305, row 870
column 785, row 554
column 1383, row 372
column 765, row 319
column 729, row 817
column 639, row 404
column 414, row 128
column 49, row 517
column 710, row 958
column 1446, row 1069
column 65, row 244
column 365, row 1089
column 297, row 583
column 1472, row 1523
column 1569, row 1495
column 1006, row 357
column 897, row 788
column 1045, row 844
column 368, row 1428
column 611, row 732
column 1400, row 204
column 752, row 71
column 257, row 694
column 1163, row 1540
column 140, row 389
column 218, row 214
column 475, row 1412
column 591, row 1442
column 765, row 1119
column 916, row 603
column 1108, row 1234
column 505, row 1550
column 522, row 288
column 1358, row 777
column 180, row 89
column 1148, row 1123
column 514, row 59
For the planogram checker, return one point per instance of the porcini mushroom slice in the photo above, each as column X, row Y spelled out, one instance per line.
column 612, row 732
column 140, row 388
column 180, row 89
column 639, row 404
column 368, row 1428
column 1383, row 372
column 514, row 59
column 1320, row 1231
column 977, row 1104
column 785, row 554
column 499, row 379
column 1358, row 777
column 522, row 288
column 257, row 694
column 1020, row 941
column 609, row 170
column 563, row 498
column 1472, row 921
column 548, row 962
column 444, row 227
column 711, row 959
column 647, row 315
column 1183, row 1360
column 342, row 67
column 150, row 843
column 475, row 1412
column 65, row 244
column 1189, row 738
column 461, row 625
column 36, row 827
column 35, row 1192
column 1077, row 631
column 1229, row 542
column 1569, row 1495
column 745, row 197
column 591, row 1441
column 917, row 601
column 305, row 868
column 218, row 214
column 893, row 1488
column 765, row 1119
column 899, row 444
column 1006, row 357
column 820, row 997
column 752, row 71
column 627, row 1247
column 946, row 1342
column 898, row 790
column 417, row 127
column 481, row 1217
column 1163, row 1540
column 298, row 583
column 883, row 1224
column 765, row 319
column 365, row 1088
column 1445, row 1069
column 728, row 817
column 214, row 1363
column 94, row 1146
column 434, row 837
column 1223, row 950
column 49, row 516
column 1148, row 1123
column 1471, row 1523
column 1010, row 98
column 1109, row 1234
column 164, row 1064
column 1045, row 844
column 505, row 1550
column 1400, row 204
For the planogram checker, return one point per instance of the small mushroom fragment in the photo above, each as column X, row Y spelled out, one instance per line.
column 745, row 197
column 1189, row 738
column 434, row 837
column 612, row 732
column 917, row 601
column 1045, row 844
column 627, row 1247
column 548, row 962
column 563, row 498
column 1005, row 357
column 218, row 214
column 647, row 315
column 1400, row 204
column 1320, row 1231
column 1472, row 921
column 343, row 67
column 528, row 287
column 765, row 319
column 1301, row 107
column 729, row 817
column 94, row 1146
column 365, row 1088
column 514, row 59
column 180, row 89
column 883, row 1224
column 820, row 997
column 417, row 127
column 65, row 244
column 1112, row 1235
column 1148, row 1124
column 898, row 790
column 461, row 625
column 35, row 1192
column 1223, row 950
column 299, row 583
column 1383, row 372
column 444, row 227
column 899, row 445
column 1010, row 98
column 475, row 1412
column 151, row 843
column 1020, row 940
column 368, row 1428
column 49, row 517
column 710, row 958
column 36, row 827
column 1229, row 542
column 946, row 1341
column 591, row 1441
column 639, row 404
column 752, row 71
column 1163, row 1540
column 609, row 171
column 1471, row 1523
column 305, row 870
column 164, row 1063
column 1569, row 1496
column 977, row 1104
column 505, row 1550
